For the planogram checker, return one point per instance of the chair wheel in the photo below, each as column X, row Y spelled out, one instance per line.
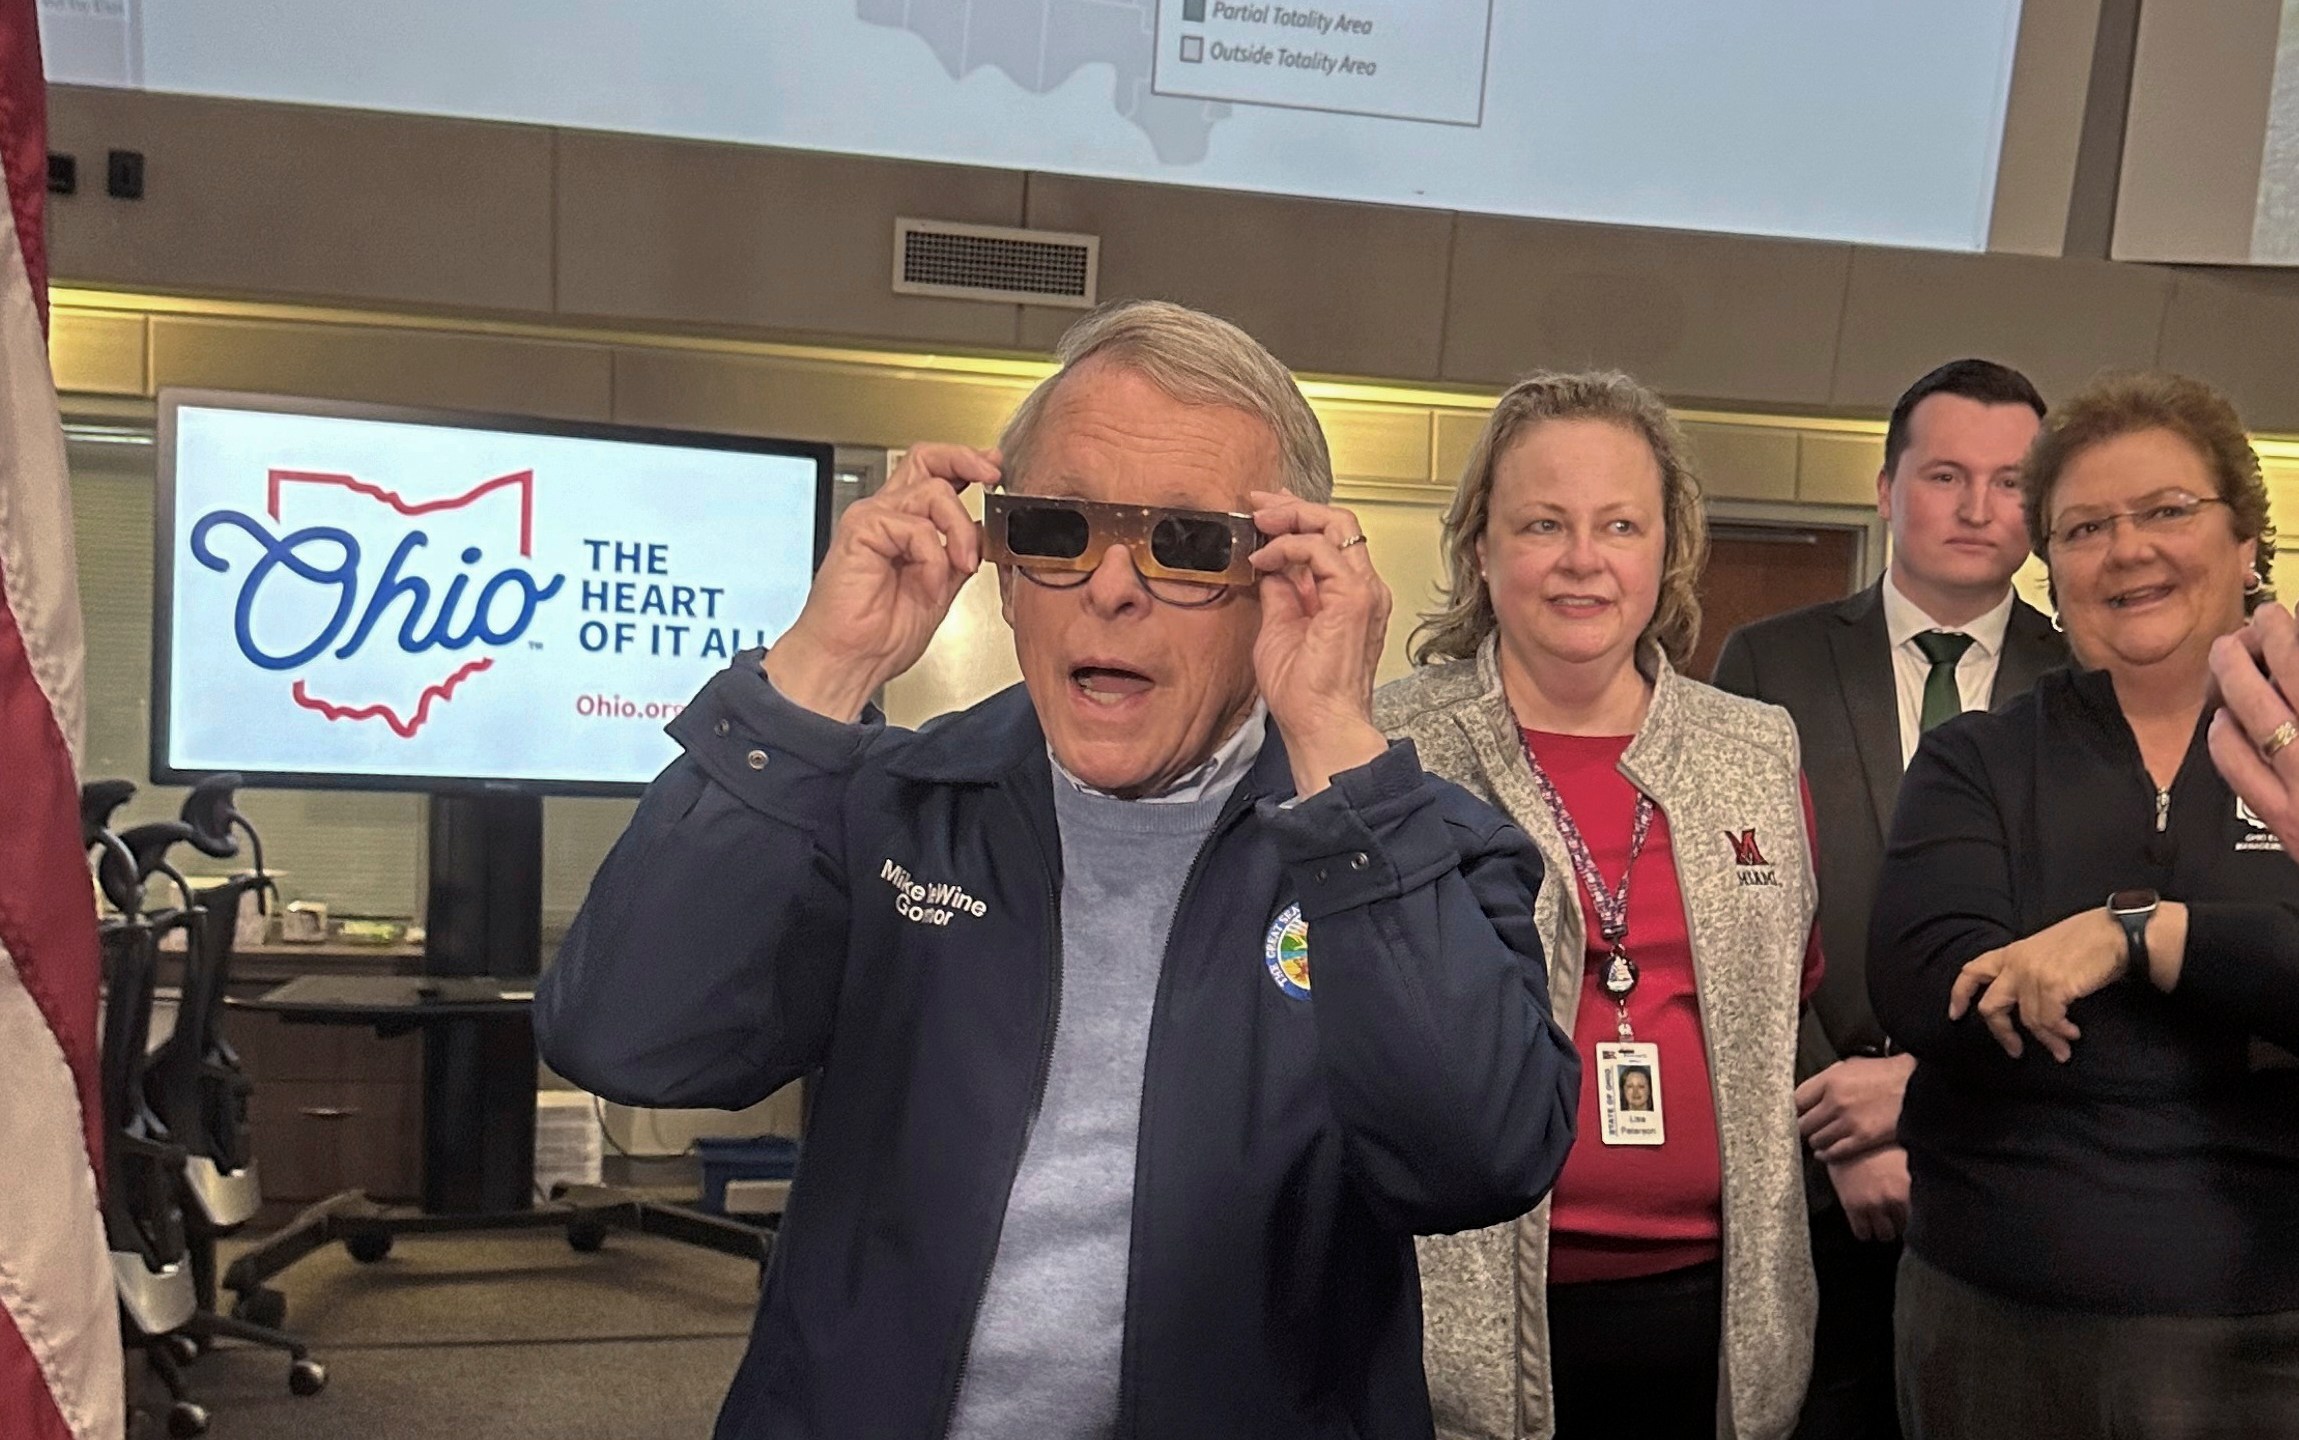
column 186, row 1419
column 368, row 1247
column 266, row 1307
column 307, row 1377
column 587, row 1235
column 185, row 1348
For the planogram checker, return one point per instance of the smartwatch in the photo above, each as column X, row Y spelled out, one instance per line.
column 2132, row 909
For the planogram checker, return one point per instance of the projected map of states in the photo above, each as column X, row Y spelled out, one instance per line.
column 1181, row 63
column 1040, row 44
column 1754, row 116
column 1388, row 59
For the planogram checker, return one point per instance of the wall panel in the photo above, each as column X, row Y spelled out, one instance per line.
column 1740, row 462
column 256, row 199
column 1694, row 316
column 743, row 238
column 1329, row 287
column 99, row 353
column 461, row 371
column 815, row 401
column 2060, row 321
column 2243, row 338
column 1838, row 469
column 2043, row 126
column 2203, row 83
column 477, row 219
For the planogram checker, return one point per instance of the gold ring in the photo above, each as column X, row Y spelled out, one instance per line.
column 1359, row 540
column 2286, row 734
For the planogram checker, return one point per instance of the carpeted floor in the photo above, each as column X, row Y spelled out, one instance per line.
column 492, row 1337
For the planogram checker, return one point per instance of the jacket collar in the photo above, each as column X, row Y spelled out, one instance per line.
column 999, row 739
column 2031, row 647
column 1854, row 608
column 1652, row 760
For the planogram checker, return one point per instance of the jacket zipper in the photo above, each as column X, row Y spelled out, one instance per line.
column 1232, row 812
column 1037, row 1102
column 2163, row 810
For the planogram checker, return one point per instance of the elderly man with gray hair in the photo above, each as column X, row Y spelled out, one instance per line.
column 1156, row 1003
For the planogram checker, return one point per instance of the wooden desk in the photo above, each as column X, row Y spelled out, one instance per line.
column 477, row 1097
column 335, row 1108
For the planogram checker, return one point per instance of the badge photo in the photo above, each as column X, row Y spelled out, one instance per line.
column 1285, row 950
column 1628, row 1094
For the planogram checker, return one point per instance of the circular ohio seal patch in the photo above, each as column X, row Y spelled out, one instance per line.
column 1286, row 951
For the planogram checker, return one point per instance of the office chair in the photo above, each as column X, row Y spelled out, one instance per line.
column 143, row 1224
column 145, row 1170
column 197, row 1086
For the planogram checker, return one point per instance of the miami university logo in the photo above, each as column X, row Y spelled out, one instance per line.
column 1748, row 859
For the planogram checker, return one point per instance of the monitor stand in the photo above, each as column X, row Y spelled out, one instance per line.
column 484, row 917
column 479, row 1074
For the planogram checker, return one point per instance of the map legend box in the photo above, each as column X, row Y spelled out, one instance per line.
column 1391, row 59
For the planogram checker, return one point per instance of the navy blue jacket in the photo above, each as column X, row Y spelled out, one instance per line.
column 879, row 906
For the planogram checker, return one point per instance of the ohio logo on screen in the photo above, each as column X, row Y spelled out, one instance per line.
column 372, row 607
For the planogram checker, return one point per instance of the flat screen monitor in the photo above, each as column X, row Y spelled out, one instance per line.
column 365, row 597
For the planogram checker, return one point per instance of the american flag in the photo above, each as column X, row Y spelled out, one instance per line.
column 60, row 1370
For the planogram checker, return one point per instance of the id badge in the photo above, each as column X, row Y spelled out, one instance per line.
column 1628, row 1093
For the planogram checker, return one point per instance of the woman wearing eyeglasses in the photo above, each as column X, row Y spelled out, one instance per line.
column 1666, row 1288
column 2093, row 952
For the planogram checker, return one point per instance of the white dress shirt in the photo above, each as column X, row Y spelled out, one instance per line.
column 1904, row 620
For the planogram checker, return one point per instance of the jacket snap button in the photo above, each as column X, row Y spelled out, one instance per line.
column 721, row 728
column 1360, row 860
column 757, row 759
column 1321, row 872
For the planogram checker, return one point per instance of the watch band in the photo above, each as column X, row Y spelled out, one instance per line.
column 2132, row 909
column 2135, row 941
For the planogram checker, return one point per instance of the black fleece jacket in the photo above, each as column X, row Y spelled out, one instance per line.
column 2157, row 1172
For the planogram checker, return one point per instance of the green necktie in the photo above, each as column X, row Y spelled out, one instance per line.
column 1943, row 699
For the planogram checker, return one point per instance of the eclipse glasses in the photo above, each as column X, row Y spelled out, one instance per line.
column 1185, row 557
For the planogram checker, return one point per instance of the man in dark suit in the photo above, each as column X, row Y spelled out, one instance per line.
column 1941, row 633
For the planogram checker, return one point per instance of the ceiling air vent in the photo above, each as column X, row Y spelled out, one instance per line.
column 989, row 262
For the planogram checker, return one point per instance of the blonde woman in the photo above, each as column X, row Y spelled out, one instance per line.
column 1666, row 1288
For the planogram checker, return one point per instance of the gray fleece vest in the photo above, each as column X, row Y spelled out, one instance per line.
column 1724, row 771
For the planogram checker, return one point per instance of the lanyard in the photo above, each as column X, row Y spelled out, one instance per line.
column 1619, row 976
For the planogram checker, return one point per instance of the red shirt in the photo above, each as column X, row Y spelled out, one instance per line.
column 1621, row 1211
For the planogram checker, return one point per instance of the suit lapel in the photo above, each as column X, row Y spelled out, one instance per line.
column 2031, row 646
column 1862, row 650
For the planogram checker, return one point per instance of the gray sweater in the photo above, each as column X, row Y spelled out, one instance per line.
column 1044, row 1359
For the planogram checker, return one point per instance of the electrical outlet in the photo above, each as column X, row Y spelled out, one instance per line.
column 124, row 174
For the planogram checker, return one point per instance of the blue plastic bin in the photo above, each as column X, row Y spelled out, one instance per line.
column 762, row 1157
